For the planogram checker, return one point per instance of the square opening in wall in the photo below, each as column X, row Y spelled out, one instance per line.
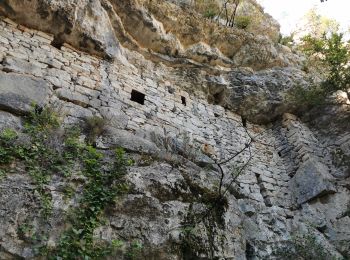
column 183, row 100
column 57, row 43
column 137, row 97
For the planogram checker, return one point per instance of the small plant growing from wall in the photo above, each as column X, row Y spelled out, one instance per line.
column 94, row 127
column 243, row 22
column 56, row 152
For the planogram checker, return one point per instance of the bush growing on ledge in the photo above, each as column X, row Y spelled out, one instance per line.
column 242, row 22
column 332, row 56
column 54, row 151
column 94, row 127
column 209, row 14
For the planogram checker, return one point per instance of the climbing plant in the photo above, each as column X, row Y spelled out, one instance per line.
column 46, row 149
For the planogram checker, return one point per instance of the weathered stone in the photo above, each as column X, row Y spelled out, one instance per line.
column 73, row 97
column 114, row 117
column 91, row 30
column 339, row 234
column 17, row 202
column 172, row 180
column 21, row 66
column 246, row 207
column 120, row 138
column 10, row 121
column 19, row 92
column 312, row 180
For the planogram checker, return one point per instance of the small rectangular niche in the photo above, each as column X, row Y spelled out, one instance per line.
column 138, row 97
column 183, row 100
column 57, row 43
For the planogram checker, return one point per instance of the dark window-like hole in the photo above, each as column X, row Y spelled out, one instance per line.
column 244, row 122
column 183, row 100
column 137, row 97
column 218, row 98
column 57, row 43
column 249, row 251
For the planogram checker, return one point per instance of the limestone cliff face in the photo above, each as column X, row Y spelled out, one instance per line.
column 203, row 93
column 173, row 33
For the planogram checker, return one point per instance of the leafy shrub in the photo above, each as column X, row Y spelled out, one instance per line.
column 308, row 97
column 134, row 250
column 209, row 14
column 41, row 120
column 39, row 158
column 94, row 127
column 243, row 21
column 334, row 55
column 286, row 40
column 330, row 56
column 103, row 172
column 7, row 137
column 104, row 184
column 209, row 8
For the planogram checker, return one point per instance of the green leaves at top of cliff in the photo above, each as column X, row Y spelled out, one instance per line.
column 333, row 54
column 328, row 57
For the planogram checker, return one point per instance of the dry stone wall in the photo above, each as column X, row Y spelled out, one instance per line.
column 150, row 109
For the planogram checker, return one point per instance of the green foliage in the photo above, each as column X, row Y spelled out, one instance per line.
column 7, row 151
column 243, row 21
column 94, row 127
column 8, row 135
column 334, row 55
column 51, row 151
column 39, row 158
column 210, row 14
column 41, row 120
column 313, row 96
column 286, row 40
column 104, row 184
column 116, row 243
column 134, row 250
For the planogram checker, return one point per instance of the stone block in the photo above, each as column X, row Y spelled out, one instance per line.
column 19, row 65
column 73, row 97
column 19, row 92
column 8, row 120
column 246, row 207
column 127, row 140
column 115, row 117
column 312, row 180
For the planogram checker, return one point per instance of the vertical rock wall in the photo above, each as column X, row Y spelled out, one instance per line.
column 150, row 110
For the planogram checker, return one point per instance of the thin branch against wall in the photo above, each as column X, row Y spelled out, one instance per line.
column 226, row 11
column 230, row 178
column 229, row 9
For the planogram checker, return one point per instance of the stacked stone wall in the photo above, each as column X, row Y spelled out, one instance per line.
column 79, row 86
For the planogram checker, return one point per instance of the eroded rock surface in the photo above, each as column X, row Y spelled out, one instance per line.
column 187, row 114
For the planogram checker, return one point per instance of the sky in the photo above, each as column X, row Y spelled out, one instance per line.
column 289, row 12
